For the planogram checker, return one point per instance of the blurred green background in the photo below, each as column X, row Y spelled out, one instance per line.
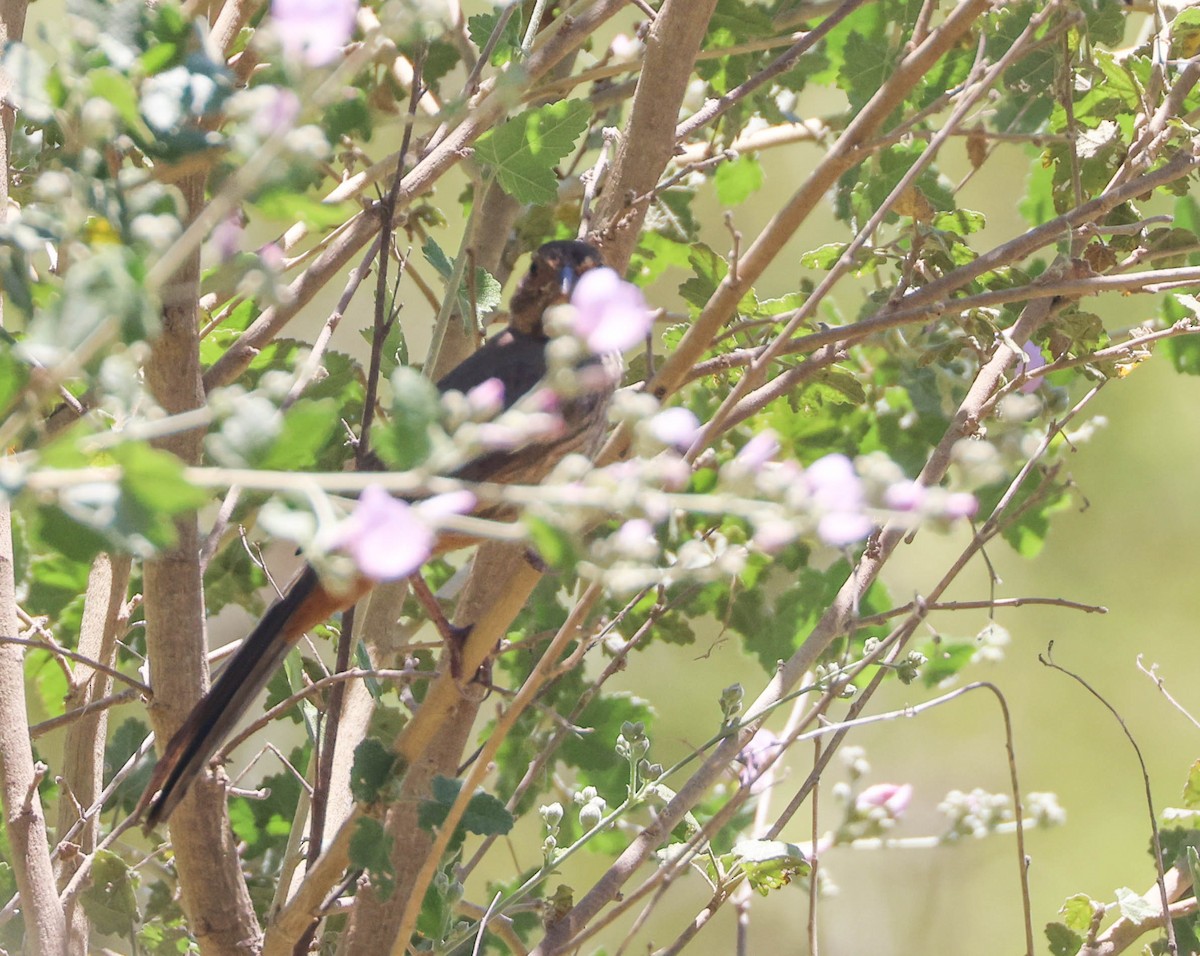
column 1129, row 543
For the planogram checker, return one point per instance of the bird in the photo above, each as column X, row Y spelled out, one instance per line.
column 517, row 357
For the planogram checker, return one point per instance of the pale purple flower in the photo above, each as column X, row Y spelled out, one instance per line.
column 676, row 427
column 314, row 30
column 773, row 536
column 892, row 798
column 389, row 538
column 840, row 528
column 271, row 256
column 837, row 493
column 906, row 495
column 440, row 507
column 486, row 398
column 227, row 237
column 834, row 484
column 276, row 111
column 1034, row 361
column 541, row 400
column 758, row 450
column 961, row 504
column 635, row 539
column 673, row 472
column 610, row 314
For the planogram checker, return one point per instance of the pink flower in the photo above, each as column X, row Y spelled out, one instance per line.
column 610, row 314
column 837, row 493
column 890, row 797
column 676, row 427
column 314, row 30
column 389, row 538
column 227, row 237
column 271, row 256
column 961, row 504
column 834, row 484
column 486, row 398
column 773, row 536
column 277, row 110
column 635, row 539
column 758, row 450
column 842, row 528
column 1034, row 361
column 906, row 495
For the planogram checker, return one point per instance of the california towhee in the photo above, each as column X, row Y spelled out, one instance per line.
column 517, row 357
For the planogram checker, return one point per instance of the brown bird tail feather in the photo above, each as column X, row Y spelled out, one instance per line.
column 239, row 682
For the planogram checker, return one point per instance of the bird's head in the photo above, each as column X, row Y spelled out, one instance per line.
column 553, row 271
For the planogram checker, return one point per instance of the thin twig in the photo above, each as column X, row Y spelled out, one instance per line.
column 1049, row 661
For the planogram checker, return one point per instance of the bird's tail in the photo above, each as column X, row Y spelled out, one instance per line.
column 305, row 604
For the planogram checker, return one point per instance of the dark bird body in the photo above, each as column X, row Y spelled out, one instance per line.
column 517, row 357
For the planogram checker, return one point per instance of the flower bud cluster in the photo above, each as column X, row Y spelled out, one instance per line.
column 872, row 811
column 551, row 814
column 592, row 807
column 974, row 814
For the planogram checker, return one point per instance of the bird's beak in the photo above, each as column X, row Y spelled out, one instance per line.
column 567, row 279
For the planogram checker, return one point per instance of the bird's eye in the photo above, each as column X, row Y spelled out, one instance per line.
column 533, row 267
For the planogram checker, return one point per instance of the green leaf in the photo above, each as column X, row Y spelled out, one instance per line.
column 524, row 150
column 1182, row 350
column 960, row 222
column 56, row 575
column 393, row 352
column 405, row 441
column 1134, row 906
column 480, row 28
column 944, row 659
column 553, row 546
column 1191, row 788
column 770, row 864
column 13, row 375
column 103, row 297
column 264, row 825
column 123, row 743
column 370, row 850
column 709, row 269
column 594, row 752
column 484, row 815
column 831, row 386
column 109, row 900
column 823, row 257
column 1027, row 535
column 247, row 432
column 374, row 766
column 155, row 480
column 284, row 205
column 1063, row 941
column 1106, row 22
column 152, row 491
column 307, row 427
column 737, row 180
column 1078, row 911
column 118, row 90
column 1193, row 861
column 349, row 116
column 486, row 292
column 71, row 536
